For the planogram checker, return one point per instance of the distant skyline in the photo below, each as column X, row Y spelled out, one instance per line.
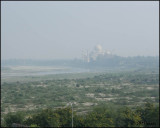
column 62, row 29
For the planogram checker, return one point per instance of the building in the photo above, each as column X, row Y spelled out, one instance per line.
column 97, row 51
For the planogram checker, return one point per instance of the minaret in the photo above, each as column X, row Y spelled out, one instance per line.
column 83, row 56
column 88, row 59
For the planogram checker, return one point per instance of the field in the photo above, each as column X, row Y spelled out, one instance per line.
column 36, row 73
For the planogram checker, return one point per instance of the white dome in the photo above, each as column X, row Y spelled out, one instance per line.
column 98, row 48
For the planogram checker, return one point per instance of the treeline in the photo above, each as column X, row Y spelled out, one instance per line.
column 102, row 116
column 101, row 61
column 125, row 62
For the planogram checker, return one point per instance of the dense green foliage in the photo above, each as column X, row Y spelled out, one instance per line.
column 102, row 116
column 13, row 117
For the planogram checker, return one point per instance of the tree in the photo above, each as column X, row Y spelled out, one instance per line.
column 99, row 117
column 127, row 118
column 65, row 116
column 79, row 121
column 149, row 115
column 11, row 118
column 46, row 118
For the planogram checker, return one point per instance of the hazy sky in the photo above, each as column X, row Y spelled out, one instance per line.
column 52, row 29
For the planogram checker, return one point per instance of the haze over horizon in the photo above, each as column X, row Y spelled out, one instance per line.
column 61, row 30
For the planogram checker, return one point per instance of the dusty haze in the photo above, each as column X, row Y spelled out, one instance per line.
column 61, row 30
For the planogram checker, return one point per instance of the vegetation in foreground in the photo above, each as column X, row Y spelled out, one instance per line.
column 102, row 116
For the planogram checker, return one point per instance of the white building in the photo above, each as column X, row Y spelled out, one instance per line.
column 97, row 51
